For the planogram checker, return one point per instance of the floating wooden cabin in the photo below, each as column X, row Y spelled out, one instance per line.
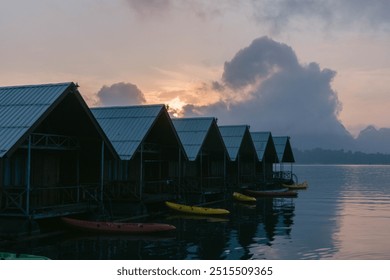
column 285, row 156
column 205, row 170
column 52, row 152
column 149, row 149
column 241, row 169
column 266, row 154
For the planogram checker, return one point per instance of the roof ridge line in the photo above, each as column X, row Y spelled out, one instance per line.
column 37, row 85
column 195, row 118
column 126, row 106
column 234, row 125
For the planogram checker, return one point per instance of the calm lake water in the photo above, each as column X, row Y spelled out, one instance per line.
column 344, row 214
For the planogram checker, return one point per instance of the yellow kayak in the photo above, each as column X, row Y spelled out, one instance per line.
column 244, row 198
column 196, row 209
column 300, row 186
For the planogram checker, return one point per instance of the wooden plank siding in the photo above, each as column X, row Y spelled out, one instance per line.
column 149, row 148
column 52, row 165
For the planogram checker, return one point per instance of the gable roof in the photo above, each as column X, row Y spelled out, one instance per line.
column 193, row 132
column 23, row 108
column 262, row 142
column 233, row 137
column 127, row 126
column 283, row 149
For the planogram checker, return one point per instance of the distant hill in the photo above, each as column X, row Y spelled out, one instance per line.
column 369, row 141
column 372, row 140
column 324, row 156
column 323, row 140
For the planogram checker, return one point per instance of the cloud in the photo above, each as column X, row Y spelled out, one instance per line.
column 197, row 93
column 120, row 94
column 279, row 14
column 265, row 86
column 201, row 9
column 149, row 8
column 263, row 58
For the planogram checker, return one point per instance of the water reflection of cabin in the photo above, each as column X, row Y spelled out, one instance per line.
column 51, row 152
column 266, row 154
column 205, row 170
column 285, row 156
column 241, row 169
column 149, row 149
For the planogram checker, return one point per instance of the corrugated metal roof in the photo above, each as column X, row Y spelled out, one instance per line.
column 233, row 136
column 126, row 127
column 260, row 140
column 21, row 107
column 192, row 133
column 283, row 148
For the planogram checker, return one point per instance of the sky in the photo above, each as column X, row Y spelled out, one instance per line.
column 287, row 66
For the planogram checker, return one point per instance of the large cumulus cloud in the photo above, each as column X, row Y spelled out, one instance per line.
column 265, row 86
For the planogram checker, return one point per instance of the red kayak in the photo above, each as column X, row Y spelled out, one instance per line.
column 112, row 227
column 271, row 193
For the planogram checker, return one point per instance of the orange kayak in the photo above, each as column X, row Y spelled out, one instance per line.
column 112, row 227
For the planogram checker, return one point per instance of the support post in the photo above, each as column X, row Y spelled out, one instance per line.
column 141, row 172
column 179, row 183
column 201, row 171
column 254, row 168
column 224, row 169
column 1, row 176
column 238, row 170
column 291, row 168
column 28, row 177
column 78, row 175
column 102, row 173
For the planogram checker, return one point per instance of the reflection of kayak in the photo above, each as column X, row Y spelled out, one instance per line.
column 249, row 206
column 211, row 219
column 14, row 256
column 124, row 237
column 243, row 197
column 272, row 193
column 300, row 186
column 112, row 227
column 196, row 209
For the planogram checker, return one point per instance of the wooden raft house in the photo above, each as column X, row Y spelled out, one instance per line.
column 52, row 152
column 241, row 169
column 266, row 154
column 205, row 170
column 285, row 157
column 150, row 152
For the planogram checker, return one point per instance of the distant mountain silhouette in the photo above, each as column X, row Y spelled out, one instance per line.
column 324, row 140
column 372, row 146
column 372, row 140
column 324, row 156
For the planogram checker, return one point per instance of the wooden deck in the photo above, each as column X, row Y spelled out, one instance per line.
column 54, row 211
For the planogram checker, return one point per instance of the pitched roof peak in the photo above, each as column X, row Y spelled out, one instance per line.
column 38, row 85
